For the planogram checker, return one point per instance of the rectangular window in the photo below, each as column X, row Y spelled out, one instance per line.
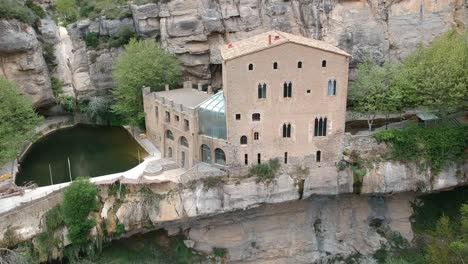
column 238, row 116
column 259, row 158
column 256, row 117
column 177, row 118
column 285, row 158
column 246, row 159
column 186, row 125
column 256, row 135
column 168, row 117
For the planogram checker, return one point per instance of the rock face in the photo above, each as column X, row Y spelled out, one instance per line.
column 317, row 230
column 193, row 29
column 21, row 61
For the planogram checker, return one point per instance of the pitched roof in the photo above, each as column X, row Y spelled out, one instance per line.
column 261, row 42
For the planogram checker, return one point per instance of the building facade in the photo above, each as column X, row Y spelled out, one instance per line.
column 284, row 96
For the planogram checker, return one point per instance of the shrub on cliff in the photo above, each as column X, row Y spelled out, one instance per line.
column 78, row 202
column 67, row 10
column 17, row 120
column 11, row 9
column 438, row 145
column 143, row 63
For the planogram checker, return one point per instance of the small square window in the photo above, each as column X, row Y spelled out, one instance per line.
column 308, row 91
column 238, row 116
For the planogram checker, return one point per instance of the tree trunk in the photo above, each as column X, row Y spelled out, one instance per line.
column 370, row 121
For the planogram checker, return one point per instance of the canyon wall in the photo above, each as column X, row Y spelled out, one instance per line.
column 193, row 30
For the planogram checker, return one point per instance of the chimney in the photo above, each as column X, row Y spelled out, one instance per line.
column 269, row 39
column 166, row 87
column 210, row 90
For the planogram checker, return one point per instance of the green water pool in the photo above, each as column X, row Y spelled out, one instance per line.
column 92, row 150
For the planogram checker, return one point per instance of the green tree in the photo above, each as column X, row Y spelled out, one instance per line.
column 436, row 76
column 78, row 202
column 370, row 92
column 142, row 64
column 446, row 244
column 17, row 120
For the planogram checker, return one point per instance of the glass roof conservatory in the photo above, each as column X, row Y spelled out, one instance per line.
column 211, row 116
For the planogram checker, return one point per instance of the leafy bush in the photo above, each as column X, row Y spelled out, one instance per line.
column 86, row 10
column 11, row 9
column 342, row 165
column 54, row 218
column 120, row 230
column 49, row 55
column 36, row 9
column 67, row 102
column 78, row 202
column 92, row 40
column 18, row 120
column 358, row 177
column 439, row 144
column 265, row 171
column 56, row 86
column 123, row 36
column 219, row 252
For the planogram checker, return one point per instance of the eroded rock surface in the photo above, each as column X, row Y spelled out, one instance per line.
column 21, row 61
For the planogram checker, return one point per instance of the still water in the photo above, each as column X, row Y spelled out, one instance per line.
column 92, row 150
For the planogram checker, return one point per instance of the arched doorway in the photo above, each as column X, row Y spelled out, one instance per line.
column 220, row 157
column 183, row 153
column 205, row 153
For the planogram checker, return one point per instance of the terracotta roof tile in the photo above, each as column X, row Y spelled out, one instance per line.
column 271, row 39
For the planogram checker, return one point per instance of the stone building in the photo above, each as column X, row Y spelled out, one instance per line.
column 283, row 96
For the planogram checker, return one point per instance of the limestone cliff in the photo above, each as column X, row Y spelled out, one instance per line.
column 194, row 29
column 21, row 60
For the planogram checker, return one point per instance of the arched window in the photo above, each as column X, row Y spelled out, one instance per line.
column 261, row 90
column 184, row 142
column 286, row 130
column 255, row 117
column 169, row 152
column 169, row 135
column 318, row 156
column 250, row 67
column 220, row 157
column 331, row 87
column 275, row 65
column 320, row 127
column 334, row 87
column 256, row 136
column 205, row 153
column 287, row 89
column 243, row 140
column 324, row 63
column 299, row 64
